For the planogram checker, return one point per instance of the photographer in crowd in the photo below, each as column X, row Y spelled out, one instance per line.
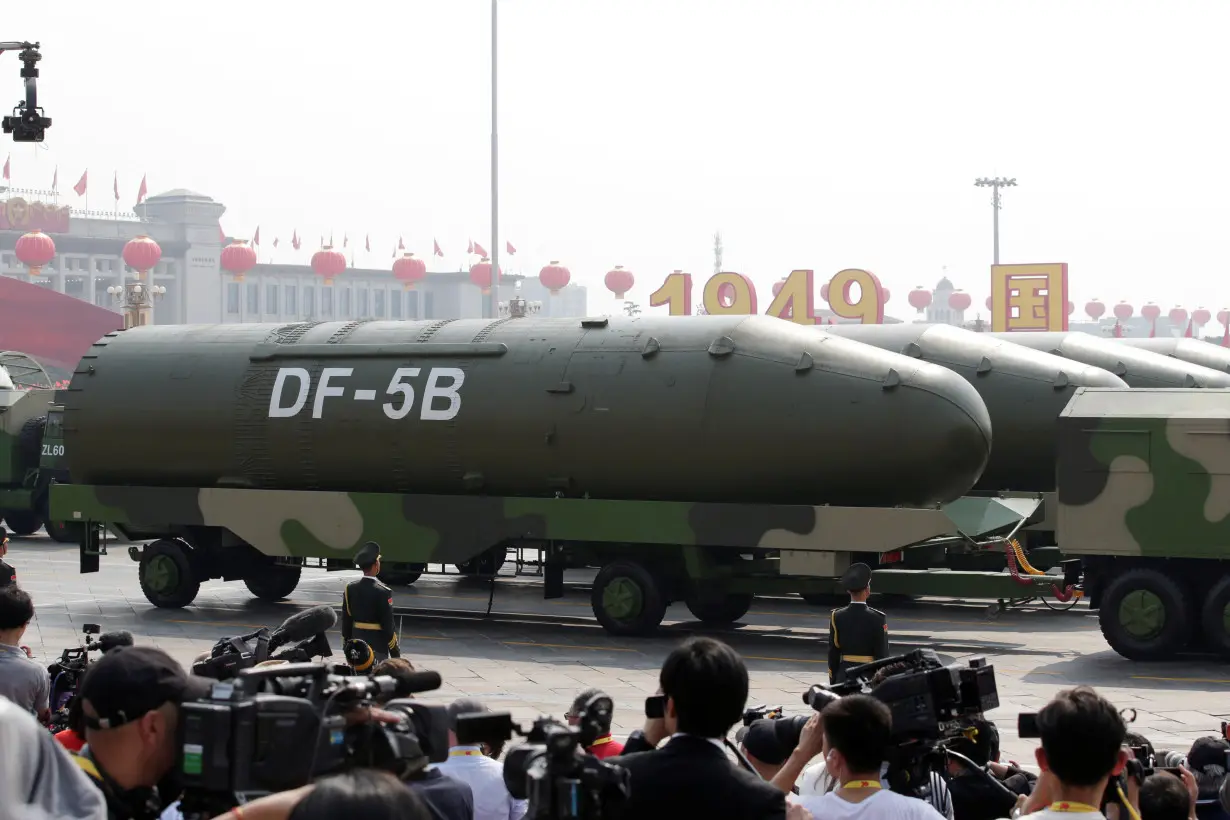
column 705, row 686
column 973, row 798
column 22, row 681
column 360, row 793
column 1166, row 797
column 484, row 775
column 604, row 746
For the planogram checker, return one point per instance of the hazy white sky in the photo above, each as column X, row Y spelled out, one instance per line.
column 812, row 133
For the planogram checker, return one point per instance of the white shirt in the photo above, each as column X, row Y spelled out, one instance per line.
column 815, row 781
column 41, row 781
column 882, row 805
column 485, row 777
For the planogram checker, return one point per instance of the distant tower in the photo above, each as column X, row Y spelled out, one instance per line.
column 940, row 312
column 717, row 252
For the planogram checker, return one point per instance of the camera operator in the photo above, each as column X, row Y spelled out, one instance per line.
column 364, row 793
column 38, row 779
column 604, row 746
column 768, row 743
column 22, row 680
column 973, row 798
column 1082, row 748
column 446, row 798
column 705, row 685
column 1207, row 761
column 484, row 775
column 1166, row 797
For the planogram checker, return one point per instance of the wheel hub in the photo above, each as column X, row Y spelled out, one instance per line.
column 162, row 574
column 1142, row 614
column 623, row 599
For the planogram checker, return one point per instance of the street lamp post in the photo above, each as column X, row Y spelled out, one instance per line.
column 995, row 183
column 494, row 308
column 137, row 300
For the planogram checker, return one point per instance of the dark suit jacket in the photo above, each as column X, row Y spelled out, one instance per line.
column 690, row 778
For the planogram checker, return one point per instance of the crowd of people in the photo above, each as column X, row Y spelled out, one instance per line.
column 120, row 757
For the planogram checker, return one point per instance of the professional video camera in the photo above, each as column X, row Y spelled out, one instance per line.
column 551, row 770
column 932, row 705
column 27, row 123
column 300, row 638
column 67, row 672
column 277, row 728
column 761, row 712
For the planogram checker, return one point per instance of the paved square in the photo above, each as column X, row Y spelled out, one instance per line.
column 533, row 656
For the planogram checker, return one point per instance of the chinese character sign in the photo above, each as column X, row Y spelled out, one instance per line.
column 1029, row 297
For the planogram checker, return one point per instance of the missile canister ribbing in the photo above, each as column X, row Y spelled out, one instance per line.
column 1139, row 368
column 710, row 408
column 1195, row 351
column 1024, row 390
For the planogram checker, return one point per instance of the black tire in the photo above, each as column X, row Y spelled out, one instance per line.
column 23, row 522
column 627, row 599
column 30, row 442
column 273, row 582
column 719, row 609
column 487, row 563
column 401, row 575
column 1145, row 615
column 64, row 532
column 1215, row 617
column 167, row 578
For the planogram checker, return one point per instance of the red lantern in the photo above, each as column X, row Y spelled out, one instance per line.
column 959, row 300
column 480, row 275
column 1223, row 316
column 328, row 264
column 554, row 277
column 1071, row 308
column 619, row 281
column 1201, row 316
column 1123, row 311
column 141, row 254
column 885, row 295
column 824, row 291
column 408, row 270
column 1094, row 309
column 988, row 303
column 34, row 250
column 238, row 258
column 777, row 287
column 1151, row 312
column 920, row 298
column 1177, row 315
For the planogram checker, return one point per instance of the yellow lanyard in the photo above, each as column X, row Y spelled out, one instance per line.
column 1073, row 808
column 601, row 741
column 863, row 784
column 464, row 753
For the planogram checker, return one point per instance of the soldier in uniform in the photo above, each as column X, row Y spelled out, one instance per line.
column 8, row 575
column 367, row 607
column 858, row 634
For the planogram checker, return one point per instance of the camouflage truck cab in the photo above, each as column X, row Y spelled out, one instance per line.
column 1144, row 502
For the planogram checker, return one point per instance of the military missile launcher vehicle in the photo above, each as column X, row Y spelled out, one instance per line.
column 702, row 459
column 1195, row 351
column 1144, row 504
column 1137, row 367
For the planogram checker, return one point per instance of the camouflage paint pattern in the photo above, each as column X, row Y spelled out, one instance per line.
column 1145, row 473
column 452, row 529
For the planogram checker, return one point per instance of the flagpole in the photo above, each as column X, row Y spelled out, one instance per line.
column 494, row 307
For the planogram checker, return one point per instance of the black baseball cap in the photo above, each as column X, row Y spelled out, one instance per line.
column 126, row 683
column 771, row 741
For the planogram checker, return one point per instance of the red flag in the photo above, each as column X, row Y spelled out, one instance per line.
column 470, row 247
column 478, row 249
column 81, row 183
column 368, row 243
column 1225, row 337
column 294, row 239
column 394, row 251
column 401, row 245
column 221, row 234
column 1118, row 332
column 1153, row 329
column 6, row 166
column 330, row 240
column 345, row 240
column 1187, row 334
column 441, row 253
column 256, row 237
column 142, row 191
column 117, row 187
column 55, row 181
column 275, row 241
column 509, row 247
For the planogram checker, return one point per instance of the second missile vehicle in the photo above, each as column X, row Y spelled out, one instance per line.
column 1137, row 367
column 1194, row 351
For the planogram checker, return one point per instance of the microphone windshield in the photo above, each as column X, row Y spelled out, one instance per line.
column 303, row 625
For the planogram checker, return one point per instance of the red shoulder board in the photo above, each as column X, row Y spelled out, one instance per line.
column 885, row 627
column 391, row 603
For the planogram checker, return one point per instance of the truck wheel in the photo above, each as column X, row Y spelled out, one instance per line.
column 627, row 599
column 1215, row 617
column 1144, row 616
column 273, row 582
column 166, row 575
column 64, row 532
column 23, row 522
column 30, row 441
column 402, row 575
column 719, row 609
column 487, row 563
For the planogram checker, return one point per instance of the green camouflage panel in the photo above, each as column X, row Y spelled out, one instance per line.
column 454, row 528
column 1145, row 473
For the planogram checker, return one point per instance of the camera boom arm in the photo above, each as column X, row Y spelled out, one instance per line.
column 27, row 123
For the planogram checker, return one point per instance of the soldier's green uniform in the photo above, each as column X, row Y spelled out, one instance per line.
column 367, row 608
column 858, row 634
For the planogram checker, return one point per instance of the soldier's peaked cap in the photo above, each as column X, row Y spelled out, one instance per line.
column 368, row 555
column 857, row 577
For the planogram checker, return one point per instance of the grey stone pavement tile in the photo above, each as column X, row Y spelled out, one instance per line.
column 534, row 655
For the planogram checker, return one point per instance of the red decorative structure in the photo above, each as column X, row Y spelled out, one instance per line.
column 619, row 281
column 988, row 303
column 777, row 287
column 141, row 254
column 1123, row 311
column 1071, row 308
column 920, row 298
column 554, row 277
column 238, row 258
column 34, row 250
column 1177, row 315
column 1201, row 316
column 1151, row 312
column 959, row 300
column 1094, row 309
column 480, row 275
column 1223, row 316
column 885, row 295
column 408, row 270
column 328, row 264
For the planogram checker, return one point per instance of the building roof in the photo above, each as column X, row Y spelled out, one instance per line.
column 184, row 193
column 944, row 284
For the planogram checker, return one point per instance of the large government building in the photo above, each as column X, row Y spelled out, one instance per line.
column 186, row 226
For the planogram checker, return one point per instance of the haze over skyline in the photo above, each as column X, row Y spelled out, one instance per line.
column 812, row 134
